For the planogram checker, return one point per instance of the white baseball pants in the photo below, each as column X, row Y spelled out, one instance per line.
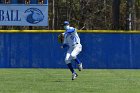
column 72, row 53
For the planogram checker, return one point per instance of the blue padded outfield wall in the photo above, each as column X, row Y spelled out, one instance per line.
column 41, row 50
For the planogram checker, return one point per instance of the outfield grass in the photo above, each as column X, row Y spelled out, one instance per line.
column 59, row 81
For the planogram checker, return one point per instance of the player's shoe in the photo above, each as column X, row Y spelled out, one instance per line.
column 80, row 67
column 74, row 75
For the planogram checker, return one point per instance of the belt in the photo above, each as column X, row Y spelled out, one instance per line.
column 75, row 44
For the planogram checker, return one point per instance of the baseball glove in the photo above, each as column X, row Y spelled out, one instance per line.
column 60, row 38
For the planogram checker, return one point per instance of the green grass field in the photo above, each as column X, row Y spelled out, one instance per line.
column 59, row 81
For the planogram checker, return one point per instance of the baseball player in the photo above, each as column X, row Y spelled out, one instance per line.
column 72, row 41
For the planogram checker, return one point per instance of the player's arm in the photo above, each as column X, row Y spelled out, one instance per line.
column 71, row 30
column 64, row 44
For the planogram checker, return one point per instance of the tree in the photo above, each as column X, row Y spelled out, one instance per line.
column 137, row 12
column 116, row 14
column 92, row 14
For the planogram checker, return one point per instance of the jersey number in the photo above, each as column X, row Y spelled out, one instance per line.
column 72, row 37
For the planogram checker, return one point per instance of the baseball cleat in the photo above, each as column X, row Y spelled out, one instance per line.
column 74, row 75
column 80, row 67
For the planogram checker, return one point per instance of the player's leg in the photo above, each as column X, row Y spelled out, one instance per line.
column 76, row 51
column 74, row 54
column 69, row 64
column 79, row 63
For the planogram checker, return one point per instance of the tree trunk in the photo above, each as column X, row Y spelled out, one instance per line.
column 53, row 15
column 129, row 15
column 134, row 15
column 137, row 8
column 116, row 14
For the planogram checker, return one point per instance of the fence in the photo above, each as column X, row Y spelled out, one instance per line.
column 34, row 49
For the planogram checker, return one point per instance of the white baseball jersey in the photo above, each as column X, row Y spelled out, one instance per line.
column 71, row 37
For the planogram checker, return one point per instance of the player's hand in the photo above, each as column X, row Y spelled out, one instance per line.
column 61, row 47
column 60, row 38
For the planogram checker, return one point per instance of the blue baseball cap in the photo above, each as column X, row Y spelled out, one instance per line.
column 66, row 23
